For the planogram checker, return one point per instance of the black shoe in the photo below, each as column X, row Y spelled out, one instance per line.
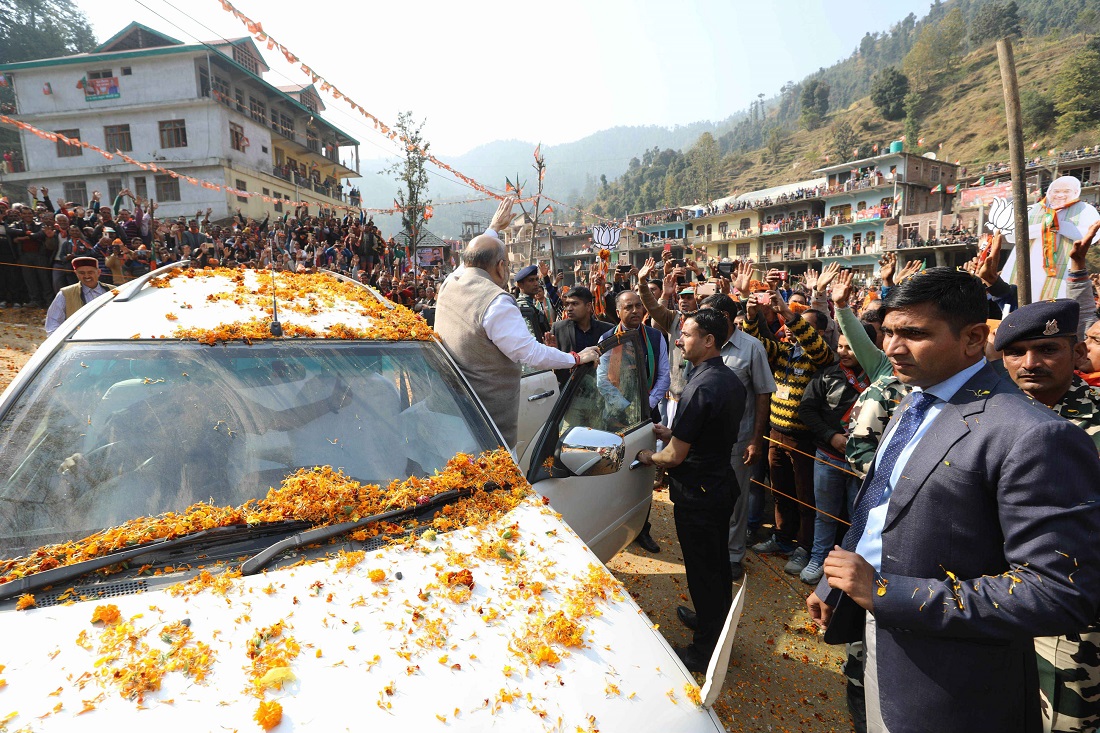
column 687, row 617
column 736, row 571
column 692, row 658
column 647, row 543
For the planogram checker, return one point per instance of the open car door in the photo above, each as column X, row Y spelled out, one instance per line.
column 583, row 459
column 538, row 390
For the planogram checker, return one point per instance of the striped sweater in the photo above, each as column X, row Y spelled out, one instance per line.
column 793, row 366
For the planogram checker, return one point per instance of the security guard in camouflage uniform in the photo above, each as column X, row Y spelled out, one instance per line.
column 527, row 280
column 1040, row 348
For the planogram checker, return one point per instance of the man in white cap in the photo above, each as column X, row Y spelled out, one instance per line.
column 72, row 298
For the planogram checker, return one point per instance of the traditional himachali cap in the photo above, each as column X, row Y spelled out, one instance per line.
column 526, row 272
column 85, row 262
column 1045, row 319
column 687, row 291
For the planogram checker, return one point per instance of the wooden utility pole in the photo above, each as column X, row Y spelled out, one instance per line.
column 1016, row 163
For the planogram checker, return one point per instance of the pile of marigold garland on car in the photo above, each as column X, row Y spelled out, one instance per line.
column 322, row 496
column 303, row 293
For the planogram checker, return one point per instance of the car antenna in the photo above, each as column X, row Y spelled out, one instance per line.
column 276, row 327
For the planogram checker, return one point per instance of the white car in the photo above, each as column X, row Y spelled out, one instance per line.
column 209, row 526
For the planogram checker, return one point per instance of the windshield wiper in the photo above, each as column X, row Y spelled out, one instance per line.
column 259, row 561
column 57, row 576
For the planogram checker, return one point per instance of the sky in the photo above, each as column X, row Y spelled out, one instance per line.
column 499, row 69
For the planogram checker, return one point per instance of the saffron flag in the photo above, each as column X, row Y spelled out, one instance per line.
column 937, row 189
column 980, row 181
column 548, row 210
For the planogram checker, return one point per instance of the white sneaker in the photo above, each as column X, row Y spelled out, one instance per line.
column 799, row 559
column 811, row 574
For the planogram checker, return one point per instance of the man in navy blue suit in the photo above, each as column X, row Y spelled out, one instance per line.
column 974, row 531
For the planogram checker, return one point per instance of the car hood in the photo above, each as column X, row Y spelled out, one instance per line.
column 545, row 639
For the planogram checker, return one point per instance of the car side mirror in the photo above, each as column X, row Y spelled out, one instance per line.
column 588, row 452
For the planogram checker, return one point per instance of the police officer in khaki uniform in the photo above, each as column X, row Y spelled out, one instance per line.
column 1040, row 348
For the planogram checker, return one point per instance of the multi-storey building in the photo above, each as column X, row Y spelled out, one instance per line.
column 202, row 110
column 867, row 200
column 790, row 223
column 720, row 228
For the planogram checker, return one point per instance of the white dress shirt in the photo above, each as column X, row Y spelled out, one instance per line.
column 55, row 315
column 870, row 544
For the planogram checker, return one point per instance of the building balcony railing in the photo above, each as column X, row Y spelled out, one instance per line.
column 949, row 240
column 860, row 184
column 790, row 225
column 848, row 249
column 874, row 213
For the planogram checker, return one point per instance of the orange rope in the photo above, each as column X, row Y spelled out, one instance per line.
column 820, row 460
column 797, row 501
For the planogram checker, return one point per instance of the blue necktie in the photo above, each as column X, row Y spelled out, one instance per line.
column 911, row 418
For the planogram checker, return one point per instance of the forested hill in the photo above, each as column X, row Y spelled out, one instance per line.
column 933, row 80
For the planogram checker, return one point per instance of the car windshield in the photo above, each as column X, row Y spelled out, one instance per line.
column 106, row 432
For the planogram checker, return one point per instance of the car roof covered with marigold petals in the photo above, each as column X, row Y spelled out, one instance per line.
column 239, row 304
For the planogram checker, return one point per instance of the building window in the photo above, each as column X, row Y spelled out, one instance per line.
column 127, row 71
column 263, row 148
column 311, row 141
column 221, row 89
column 870, row 239
column 286, row 125
column 245, row 58
column 257, row 110
column 742, row 251
column 236, row 136
column 76, row 192
column 861, row 206
column 141, row 190
column 723, row 226
column 266, row 191
column 100, row 74
column 838, row 240
column 173, row 134
column 934, row 173
column 168, row 188
column 278, row 201
column 114, row 188
column 118, row 138
column 242, row 186
column 238, row 95
column 744, row 225
column 69, row 151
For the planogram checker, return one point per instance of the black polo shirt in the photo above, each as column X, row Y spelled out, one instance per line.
column 708, row 418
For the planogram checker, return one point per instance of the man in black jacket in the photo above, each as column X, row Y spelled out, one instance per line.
column 579, row 329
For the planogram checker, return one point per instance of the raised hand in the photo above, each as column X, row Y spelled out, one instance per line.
column 828, row 274
column 887, row 264
column 742, row 277
column 503, row 216
column 668, row 293
column 912, row 268
column 842, row 289
column 544, row 270
column 647, row 268
column 810, row 279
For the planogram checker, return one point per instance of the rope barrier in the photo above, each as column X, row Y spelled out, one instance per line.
column 799, row 501
column 820, row 460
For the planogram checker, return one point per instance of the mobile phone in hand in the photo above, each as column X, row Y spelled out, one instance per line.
column 622, row 268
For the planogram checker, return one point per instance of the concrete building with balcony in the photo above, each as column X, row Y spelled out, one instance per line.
column 790, row 218
column 723, row 228
column 203, row 110
column 867, row 200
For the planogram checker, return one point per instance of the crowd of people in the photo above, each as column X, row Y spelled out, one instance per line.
column 40, row 239
column 925, row 454
column 930, row 447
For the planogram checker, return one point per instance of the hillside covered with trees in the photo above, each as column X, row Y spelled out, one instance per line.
column 933, row 81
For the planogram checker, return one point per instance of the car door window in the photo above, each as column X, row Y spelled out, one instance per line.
column 610, row 397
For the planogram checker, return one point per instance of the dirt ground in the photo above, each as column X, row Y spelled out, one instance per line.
column 782, row 677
